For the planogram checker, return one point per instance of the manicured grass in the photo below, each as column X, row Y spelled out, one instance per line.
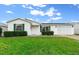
column 38, row 45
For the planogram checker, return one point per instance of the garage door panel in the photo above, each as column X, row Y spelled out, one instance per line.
column 64, row 30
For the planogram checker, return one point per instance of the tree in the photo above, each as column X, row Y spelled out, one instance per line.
column 0, row 31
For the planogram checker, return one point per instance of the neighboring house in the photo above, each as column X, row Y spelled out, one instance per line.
column 4, row 27
column 59, row 28
column 35, row 28
column 32, row 27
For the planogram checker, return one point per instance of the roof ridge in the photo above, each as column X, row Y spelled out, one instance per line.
column 25, row 19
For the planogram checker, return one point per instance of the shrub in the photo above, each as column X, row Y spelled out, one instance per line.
column 0, row 31
column 8, row 33
column 20, row 33
column 76, row 34
column 15, row 33
column 48, row 33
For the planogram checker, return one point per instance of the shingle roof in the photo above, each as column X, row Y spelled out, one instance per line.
column 56, row 24
column 3, row 25
column 27, row 20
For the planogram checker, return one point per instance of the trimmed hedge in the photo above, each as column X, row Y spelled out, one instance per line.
column 76, row 34
column 48, row 33
column 14, row 33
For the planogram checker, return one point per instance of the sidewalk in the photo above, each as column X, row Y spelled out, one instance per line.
column 73, row 36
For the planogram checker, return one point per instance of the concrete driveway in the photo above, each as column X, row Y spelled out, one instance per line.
column 73, row 36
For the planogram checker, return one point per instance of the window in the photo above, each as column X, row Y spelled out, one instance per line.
column 46, row 28
column 19, row 27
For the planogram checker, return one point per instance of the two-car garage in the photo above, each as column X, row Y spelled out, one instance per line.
column 65, row 30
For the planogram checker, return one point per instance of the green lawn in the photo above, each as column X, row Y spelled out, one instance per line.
column 38, row 45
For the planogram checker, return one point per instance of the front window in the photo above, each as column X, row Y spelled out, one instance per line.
column 19, row 27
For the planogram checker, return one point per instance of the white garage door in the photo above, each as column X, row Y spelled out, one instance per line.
column 35, row 30
column 63, row 30
column 76, row 29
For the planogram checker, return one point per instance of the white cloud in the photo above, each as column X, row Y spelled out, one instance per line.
column 76, row 5
column 39, row 5
column 9, row 12
column 37, row 12
column 4, row 21
column 30, row 18
column 56, row 18
column 37, row 20
column 24, row 6
column 27, row 6
column 42, row 6
column 75, row 21
column 58, row 14
column 34, row 12
column 52, row 19
column 50, row 12
column 7, row 4
column 30, row 7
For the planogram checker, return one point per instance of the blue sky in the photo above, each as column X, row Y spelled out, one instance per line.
column 47, row 13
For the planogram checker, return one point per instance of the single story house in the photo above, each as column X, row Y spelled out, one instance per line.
column 35, row 28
